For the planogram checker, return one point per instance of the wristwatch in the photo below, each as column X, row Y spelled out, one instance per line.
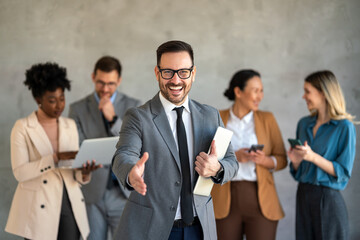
column 219, row 175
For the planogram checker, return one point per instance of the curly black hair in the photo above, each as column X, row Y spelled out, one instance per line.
column 44, row 77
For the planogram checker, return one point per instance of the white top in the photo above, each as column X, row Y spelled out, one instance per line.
column 244, row 136
column 186, row 117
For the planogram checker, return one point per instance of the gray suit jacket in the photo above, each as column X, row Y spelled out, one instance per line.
column 146, row 129
column 90, row 124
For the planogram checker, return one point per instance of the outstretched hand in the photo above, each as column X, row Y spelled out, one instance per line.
column 136, row 175
column 207, row 165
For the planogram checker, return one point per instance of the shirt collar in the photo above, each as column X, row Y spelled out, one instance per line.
column 313, row 121
column 112, row 99
column 247, row 118
column 169, row 106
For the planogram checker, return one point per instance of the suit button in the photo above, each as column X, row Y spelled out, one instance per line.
column 42, row 206
column 41, row 170
column 45, row 168
column 177, row 183
column 82, row 199
column 172, row 208
column 49, row 167
column 45, row 181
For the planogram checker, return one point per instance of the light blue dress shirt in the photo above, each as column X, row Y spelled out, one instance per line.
column 336, row 142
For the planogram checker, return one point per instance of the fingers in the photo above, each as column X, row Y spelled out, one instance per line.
column 143, row 159
column 140, row 186
column 213, row 148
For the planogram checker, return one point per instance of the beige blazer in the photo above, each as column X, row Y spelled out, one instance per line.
column 36, row 206
column 267, row 133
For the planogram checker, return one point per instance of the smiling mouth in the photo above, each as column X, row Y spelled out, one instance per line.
column 175, row 89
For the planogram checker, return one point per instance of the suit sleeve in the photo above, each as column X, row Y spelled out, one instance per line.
column 115, row 129
column 277, row 144
column 129, row 146
column 229, row 161
column 74, row 115
column 23, row 169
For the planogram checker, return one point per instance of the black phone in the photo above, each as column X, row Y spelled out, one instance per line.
column 255, row 147
column 295, row 142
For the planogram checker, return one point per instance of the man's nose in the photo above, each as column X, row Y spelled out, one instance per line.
column 175, row 79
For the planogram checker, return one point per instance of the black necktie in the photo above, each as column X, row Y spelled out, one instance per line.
column 186, row 193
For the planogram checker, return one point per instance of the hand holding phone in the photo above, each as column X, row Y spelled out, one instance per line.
column 255, row 147
column 295, row 142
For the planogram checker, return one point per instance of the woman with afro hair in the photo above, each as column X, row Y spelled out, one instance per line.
column 48, row 202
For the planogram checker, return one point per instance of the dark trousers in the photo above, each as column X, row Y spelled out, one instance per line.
column 245, row 217
column 320, row 214
column 68, row 229
column 187, row 233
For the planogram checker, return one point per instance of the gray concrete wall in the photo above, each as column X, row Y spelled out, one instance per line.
column 284, row 39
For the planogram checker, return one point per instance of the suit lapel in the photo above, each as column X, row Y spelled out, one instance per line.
column 162, row 124
column 95, row 113
column 198, row 122
column 38, row 136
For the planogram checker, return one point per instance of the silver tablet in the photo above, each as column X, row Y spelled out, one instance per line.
column 100, row 149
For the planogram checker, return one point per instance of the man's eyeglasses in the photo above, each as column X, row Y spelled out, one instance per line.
column 183, row 73
column 103, row 84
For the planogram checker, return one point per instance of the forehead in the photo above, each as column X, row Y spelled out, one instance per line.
column 175, row 60
column 106, row 76
column 309, row 86
column 57, row 93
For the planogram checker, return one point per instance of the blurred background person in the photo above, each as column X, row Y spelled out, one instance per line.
column 323, row 165
column 48, row 202
column 99, row 115
column 249, row 205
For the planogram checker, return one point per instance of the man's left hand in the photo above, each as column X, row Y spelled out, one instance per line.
column 207, row 165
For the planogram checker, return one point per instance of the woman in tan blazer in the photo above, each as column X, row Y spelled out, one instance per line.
column 48, row 202
column 248, row 205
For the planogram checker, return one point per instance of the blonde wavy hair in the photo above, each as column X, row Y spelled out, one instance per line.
column 326, row 82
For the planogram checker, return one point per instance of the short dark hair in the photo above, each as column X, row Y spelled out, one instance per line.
column 174, row 46
column 239, row 79
column 108, row 64
column 44, row 77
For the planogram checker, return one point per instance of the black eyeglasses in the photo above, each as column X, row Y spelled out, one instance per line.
column 183, row 73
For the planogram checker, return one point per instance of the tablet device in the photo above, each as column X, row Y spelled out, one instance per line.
column 222, row 139
column 100, row 149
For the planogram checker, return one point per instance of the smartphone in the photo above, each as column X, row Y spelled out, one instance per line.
column 295, row 142
column 255, row 147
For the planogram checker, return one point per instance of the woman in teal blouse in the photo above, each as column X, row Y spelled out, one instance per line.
column 323, row 165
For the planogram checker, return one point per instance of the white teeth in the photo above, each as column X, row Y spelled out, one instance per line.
column 175, row 88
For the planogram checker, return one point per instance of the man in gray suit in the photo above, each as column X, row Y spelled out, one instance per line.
column 171, row 134
column 100, row 115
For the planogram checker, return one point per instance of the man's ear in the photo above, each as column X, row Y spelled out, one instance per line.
column 119, row 81
column 193, row 74
column 157, row 72
column 93, row 77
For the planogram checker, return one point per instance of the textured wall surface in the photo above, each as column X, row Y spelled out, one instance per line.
column 283, row 39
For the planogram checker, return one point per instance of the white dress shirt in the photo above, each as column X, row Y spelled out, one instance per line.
column 186, row 117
